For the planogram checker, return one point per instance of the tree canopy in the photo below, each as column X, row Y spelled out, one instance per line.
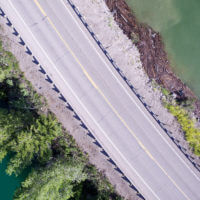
column 26, row 143
column 60, row 181
column 35, row 139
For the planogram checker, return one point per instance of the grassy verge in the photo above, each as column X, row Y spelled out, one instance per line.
column 192, row 134
column 182, row 111
column 35, row 138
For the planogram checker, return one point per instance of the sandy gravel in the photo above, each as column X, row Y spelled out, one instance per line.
column 127, row 58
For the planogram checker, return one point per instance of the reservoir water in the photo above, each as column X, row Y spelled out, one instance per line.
column 8, row 184
column 178, row 21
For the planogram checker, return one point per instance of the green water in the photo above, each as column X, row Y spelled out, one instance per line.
column 8, row 184
column 178, row 21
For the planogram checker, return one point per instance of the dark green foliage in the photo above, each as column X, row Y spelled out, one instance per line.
column 15, row 91
column 8, row 64
column 35, row 139
column 60, row 181
column 27, row 143
column 67, row 176
column 23, row 132
column 97, row 187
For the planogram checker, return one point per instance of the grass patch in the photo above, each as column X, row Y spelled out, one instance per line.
column 192, row 134
column 182, row 110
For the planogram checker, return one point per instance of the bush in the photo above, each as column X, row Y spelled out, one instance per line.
column 192, row 134
column 36, row 140
column 59, row 181
column 26, row 143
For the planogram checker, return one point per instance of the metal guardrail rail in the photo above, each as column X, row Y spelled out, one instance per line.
column 162, row 125
column 68, row 106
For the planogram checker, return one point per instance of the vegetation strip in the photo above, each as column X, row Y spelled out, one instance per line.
column 33, row 138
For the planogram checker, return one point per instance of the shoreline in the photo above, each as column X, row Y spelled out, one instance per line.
column 127, row 58
column 153, row 56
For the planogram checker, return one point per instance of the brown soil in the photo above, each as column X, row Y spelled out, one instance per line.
column 152, row 52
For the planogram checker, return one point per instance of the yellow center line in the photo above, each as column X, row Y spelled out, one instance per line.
column 107, row 101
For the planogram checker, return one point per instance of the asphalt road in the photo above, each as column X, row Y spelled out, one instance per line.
column 102, row 99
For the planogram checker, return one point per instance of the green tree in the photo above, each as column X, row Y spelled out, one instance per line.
column 8, row 64
column 192, row 134
column 11, row 123
column 27, row 143
column 59, row 181
column 60, row 170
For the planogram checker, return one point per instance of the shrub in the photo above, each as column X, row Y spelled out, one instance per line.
column 192, row 134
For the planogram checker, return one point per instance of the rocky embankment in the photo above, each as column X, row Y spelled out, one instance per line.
column 152, row 52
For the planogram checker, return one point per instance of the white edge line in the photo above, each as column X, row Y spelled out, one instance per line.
column 83, row 105
column 131, row 97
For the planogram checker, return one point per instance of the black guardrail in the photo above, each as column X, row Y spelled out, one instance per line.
column 128, row 82
column 68, row 106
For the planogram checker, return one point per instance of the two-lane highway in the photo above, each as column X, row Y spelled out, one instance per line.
column 103, row 101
